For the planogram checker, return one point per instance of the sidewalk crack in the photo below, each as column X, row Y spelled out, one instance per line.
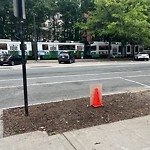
column 69, row 141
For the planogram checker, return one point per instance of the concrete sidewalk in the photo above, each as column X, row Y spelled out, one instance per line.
column 132, row 134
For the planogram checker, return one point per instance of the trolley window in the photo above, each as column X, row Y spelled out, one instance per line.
column 3, row 46
column 66, row 47
column 79, row 48
column 93, row 48
column 114, row 51
column 120, row 49
column 52, row 48
column 13, row 47
column 45, row 46
column 103, row 47
column 103, row 52
column 128, row 49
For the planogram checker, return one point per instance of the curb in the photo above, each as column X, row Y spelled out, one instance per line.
column 1, row 123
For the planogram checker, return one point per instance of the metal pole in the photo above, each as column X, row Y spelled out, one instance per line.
column 24, row 68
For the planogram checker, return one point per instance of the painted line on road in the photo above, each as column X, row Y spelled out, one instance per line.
column 122, row 72
column 50, row 83
column 79, row 75
column 76, row 75
column 136, row 82
column 88, row 80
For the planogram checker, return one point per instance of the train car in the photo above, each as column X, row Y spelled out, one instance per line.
column 50, row 50
column 138, row 48
column 99, row 49
column 13, row 47
column 102, row 50
column 3, row 46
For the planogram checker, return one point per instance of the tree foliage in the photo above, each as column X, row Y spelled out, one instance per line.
column 113, row 20
column 122, row 20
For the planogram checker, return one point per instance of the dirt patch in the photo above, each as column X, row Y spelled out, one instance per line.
column 58, row 117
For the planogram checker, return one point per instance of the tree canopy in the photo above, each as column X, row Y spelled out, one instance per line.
column 120, row 20
column 108, row 20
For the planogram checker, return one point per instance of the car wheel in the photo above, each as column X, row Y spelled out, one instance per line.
column 1, row 64
column 147, row 59
column 12, row 63
column 70, row 61
column 59, row 62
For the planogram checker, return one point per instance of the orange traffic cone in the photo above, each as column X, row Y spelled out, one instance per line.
column 96, row 99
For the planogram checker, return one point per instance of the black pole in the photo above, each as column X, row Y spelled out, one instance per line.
column 24, row 68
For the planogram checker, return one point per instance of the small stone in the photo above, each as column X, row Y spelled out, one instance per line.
column 42, row 129
column 97, row 143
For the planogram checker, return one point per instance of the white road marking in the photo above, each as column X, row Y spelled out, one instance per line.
column 87, row 80
column 122, row 72
column 136, row 82
column 50, row 83
column 76, row 75
column 136, row 76
column 79, row 75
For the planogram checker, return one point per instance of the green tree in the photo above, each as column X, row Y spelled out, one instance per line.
column 6, row 17
column 70, row 12
column 120, row 20
column 41, row 10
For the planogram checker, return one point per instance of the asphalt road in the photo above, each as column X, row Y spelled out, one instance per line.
column 53, row 82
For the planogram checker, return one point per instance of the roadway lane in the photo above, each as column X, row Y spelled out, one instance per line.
column 67, row 81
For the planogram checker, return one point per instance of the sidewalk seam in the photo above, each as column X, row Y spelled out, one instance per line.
column 69, row 141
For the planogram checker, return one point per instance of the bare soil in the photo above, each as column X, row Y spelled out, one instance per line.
column 62, row 116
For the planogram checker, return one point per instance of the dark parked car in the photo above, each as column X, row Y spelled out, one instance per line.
column 10, row 60
column 66, row 57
